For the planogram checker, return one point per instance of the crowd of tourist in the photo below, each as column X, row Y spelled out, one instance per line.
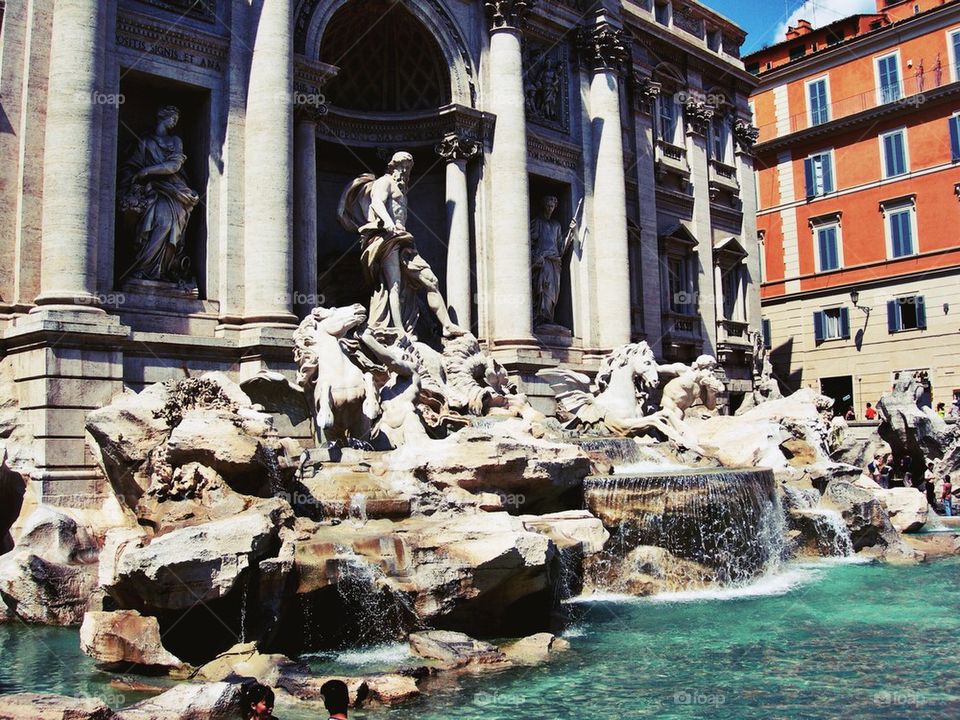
column 940, row 491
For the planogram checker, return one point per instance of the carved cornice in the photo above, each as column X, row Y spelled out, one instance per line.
column 507, row 13
column 456, row 147
column 153, row 37
column 408, row 129
column 603, row 47
column 698, row 114
column 202, row 9
column 309, row 79
column 552, row 152
column 745, row 134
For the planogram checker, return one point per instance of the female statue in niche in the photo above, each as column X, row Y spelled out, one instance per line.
column 153, row 188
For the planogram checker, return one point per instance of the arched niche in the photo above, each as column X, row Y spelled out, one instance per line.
column 314, row 18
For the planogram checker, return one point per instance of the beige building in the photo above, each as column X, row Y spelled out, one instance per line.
column 170, row 173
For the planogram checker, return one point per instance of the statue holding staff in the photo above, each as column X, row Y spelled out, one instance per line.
column 550, row 246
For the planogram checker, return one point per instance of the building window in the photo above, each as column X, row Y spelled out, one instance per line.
column 827, row 247
column 798, row 52
column 894, row 150
column 954, row 43
column 668, row 119
column 955, row 138
column 888, row 78
column 901, row 230
column 817, row 101
column 767, row 334
column 720, row 145
column 818, row 170
column 831, row 324
column 683, row 296
column 662, row 11
column 835, row 36
column 906, row 313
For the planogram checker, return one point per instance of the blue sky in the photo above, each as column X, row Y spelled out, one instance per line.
column 766, row 20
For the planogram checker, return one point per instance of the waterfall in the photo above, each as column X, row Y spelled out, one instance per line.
column 833, row 535
column 730, row 522
column 243, row 613
column 358, row 509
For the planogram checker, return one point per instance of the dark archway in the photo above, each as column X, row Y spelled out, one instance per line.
column 388, row 60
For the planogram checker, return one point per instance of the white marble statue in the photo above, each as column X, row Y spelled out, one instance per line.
column 153, row 187
column 631, row 395
column 550, row 244
column 376, row 208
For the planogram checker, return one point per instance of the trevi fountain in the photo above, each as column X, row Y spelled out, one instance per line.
column 449, row 551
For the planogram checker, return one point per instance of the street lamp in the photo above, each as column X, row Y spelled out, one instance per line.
column 855, row 299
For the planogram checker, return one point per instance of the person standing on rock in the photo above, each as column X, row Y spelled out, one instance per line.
column 946, row 496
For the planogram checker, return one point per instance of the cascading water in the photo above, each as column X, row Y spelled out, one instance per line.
column 833, row 535
column 730, row 522
column 358, row 509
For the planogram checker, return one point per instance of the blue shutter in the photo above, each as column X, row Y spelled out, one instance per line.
column 767, row 338
column 905, row 233
column 888, row 156
column 921, row 312
column 955, row 136
column 845, row 323
column 826, row 161
column 818, row 327
column 808, row 175
column 893, row 316
column 899, row 153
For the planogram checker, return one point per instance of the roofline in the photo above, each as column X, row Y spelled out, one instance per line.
column 776, row 74
column 815, row 30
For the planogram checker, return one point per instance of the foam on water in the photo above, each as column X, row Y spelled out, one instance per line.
column 780, row 583
column 389, row 654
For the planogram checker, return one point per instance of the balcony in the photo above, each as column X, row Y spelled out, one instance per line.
column 681, row 329
column 910, row 93
column 733, row 332
column 672, row 158
column 723, row 178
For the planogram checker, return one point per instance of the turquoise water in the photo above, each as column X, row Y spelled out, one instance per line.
column 825, row 641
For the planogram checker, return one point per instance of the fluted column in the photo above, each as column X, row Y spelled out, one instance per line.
column 509, row 285
column 604, row 51
column 458, row 151
column 305, row 214
column 71, row 160
column 268, row 176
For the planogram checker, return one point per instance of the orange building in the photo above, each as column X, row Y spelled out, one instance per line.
column 858, row 182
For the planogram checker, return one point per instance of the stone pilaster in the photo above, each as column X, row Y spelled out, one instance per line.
column 604, row 52
column 458, row 151
column 746, row 136
column 269, row 169
column 305, row 213
column 509, row 304
column 71, row 179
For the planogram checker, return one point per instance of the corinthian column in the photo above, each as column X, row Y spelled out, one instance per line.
column 268, row 176
column 457, row 151
column 510, row 302
column 604, row 52
column 71, row 159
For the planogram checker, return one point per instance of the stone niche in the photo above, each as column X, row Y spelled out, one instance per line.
column 341, row 279
column 541, row 187
column 143, row 96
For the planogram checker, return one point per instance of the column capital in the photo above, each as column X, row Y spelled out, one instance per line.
column 699, row 114
column 745, row 134
column 456, row 147
column 603, row 47
column 647, row 91
column 503, row 14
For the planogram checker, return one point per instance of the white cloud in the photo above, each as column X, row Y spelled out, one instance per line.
column 822, row 12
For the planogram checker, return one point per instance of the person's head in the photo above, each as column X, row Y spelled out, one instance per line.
column 869, row 405
column 550, row 204
column 258, row 701
column 336, row 697
column 941, row 406
column 168, row 116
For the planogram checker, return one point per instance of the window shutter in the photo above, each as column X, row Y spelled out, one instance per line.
column 888, row 156
column 893, row 316
column 845, row 323
column 827, row 162
column 921, row 312
column 765, row 329
column 808, row 175
column 955, row 137
column 899, row 153
column 818, row 330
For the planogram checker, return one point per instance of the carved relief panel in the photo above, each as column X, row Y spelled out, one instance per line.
column 547, row 84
